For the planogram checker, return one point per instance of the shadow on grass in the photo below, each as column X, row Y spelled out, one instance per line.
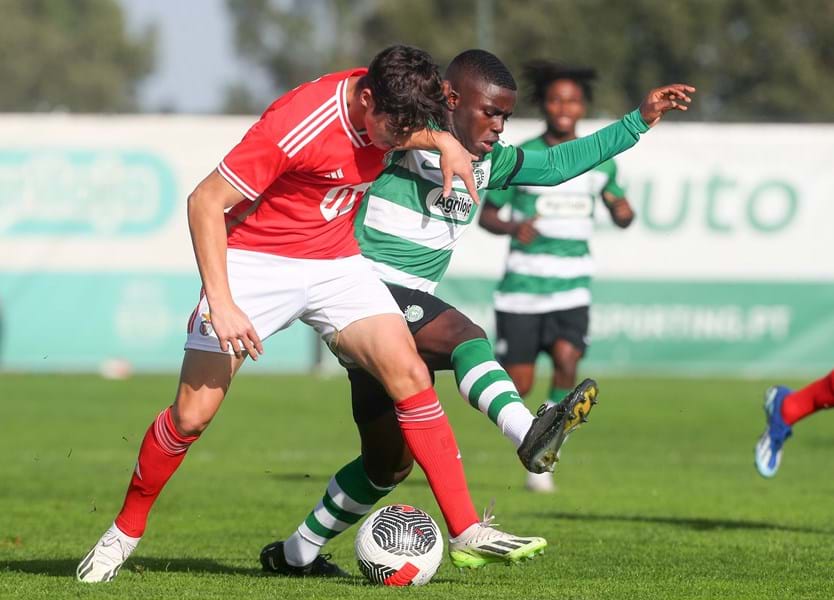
column 697, row 524
column 65, row 567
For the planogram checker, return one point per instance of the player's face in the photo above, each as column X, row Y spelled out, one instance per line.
column 564, row 105
column 379, row 130
column 479, row 112
column 376, row 124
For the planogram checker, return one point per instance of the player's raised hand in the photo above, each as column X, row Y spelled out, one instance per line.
column 455, row 160
column 234, row 329
column 661, row 100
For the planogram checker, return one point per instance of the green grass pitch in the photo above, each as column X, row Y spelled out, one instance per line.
column 658, row 497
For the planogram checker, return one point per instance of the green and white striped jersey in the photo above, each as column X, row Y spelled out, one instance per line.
column 554, row 271
column 406, row 227
column 408, row 230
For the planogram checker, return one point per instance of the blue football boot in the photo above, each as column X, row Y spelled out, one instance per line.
column 769, row 448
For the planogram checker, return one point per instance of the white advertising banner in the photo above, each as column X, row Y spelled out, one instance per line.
column 729, row 265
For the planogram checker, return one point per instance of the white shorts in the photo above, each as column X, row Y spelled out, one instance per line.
column 274, row 291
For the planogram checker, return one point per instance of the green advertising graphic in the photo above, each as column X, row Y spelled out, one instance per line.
column 84, row 192
column 685, row 327
column 80, row 321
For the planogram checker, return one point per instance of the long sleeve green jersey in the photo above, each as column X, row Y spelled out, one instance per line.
column 409, row 230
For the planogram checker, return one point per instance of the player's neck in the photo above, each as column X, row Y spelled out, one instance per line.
column 356, row 112
column 552, row 137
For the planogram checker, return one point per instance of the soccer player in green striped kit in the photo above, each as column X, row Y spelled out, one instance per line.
column 408, row 230
column 542, row 302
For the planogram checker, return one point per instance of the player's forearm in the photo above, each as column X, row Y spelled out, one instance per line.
column 208, row 237
column 565, row 161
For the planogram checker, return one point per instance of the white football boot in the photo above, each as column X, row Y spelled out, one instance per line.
column 482, row 544
column 103, row 561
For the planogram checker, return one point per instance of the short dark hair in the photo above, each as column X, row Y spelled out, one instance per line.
column 406, row 85
column 483, row 65
column 541, row 73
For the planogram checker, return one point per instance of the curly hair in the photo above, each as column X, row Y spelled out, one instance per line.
column 541, row 73
column 406, row 85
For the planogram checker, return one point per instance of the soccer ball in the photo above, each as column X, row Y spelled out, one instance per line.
column 399, row 545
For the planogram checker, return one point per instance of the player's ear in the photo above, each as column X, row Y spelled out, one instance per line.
column 366, row 99
column 452, row 97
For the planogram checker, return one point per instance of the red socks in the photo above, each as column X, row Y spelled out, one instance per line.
column 162, row 451
column 809, row 399
column 432, row 443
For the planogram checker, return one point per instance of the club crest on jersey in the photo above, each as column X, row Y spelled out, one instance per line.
column 413, row 313
column 457, row 207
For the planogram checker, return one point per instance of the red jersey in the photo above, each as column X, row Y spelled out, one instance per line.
column 305, row 169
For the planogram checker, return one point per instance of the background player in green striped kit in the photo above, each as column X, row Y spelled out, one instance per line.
column 543, row 300
column 409, row 230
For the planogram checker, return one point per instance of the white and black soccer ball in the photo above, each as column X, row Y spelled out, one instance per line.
column 399, row 545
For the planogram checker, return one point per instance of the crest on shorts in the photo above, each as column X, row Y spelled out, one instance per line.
column 205, row 324
column 413, row 313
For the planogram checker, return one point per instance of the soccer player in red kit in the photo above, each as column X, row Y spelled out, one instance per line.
column 285, row 250
column 784, row 407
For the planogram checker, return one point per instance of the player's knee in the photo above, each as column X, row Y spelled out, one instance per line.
column 523, row 385
column 565, row 367
column 190, row 421
column 388, row 473
column 411, row 376
column 465, row 332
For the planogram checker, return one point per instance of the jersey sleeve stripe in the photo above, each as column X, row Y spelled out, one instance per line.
column 298, row 144
column 309, row 132
column 331, row 102
column 341, row 94
column 236, row 182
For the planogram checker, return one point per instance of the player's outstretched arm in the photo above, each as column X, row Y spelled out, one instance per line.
column 455, row 160
column 565, row 161
column 206, row 206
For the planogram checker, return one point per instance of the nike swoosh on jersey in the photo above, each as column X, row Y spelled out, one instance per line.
column 427, row 166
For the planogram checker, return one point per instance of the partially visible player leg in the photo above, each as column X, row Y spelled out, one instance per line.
column 451, row 336
column 814, row 397
column 354, row 490
column 384, row 347
column 370, row 329
column 452, row 339
column 426, row 431
column 204, row 380
column 783, row 408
